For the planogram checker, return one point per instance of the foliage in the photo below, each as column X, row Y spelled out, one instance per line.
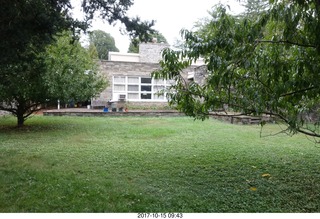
column 71, row 73
column 27, row 27
column 92, row 50
column 22, row 87
column 35, row 22
column 115, row 10
column 137, row 164
column 64, row 71
column 255, row 7
column 134, row 44
column 103, row 42
column 263, row 66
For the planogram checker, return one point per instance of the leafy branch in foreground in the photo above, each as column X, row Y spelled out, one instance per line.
column 263, row 66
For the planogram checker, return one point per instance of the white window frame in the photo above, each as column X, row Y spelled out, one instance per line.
column 154, row 83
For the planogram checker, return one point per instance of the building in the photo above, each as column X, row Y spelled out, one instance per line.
column 129, row 77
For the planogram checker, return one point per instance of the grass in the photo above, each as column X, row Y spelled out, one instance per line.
column 77, row 164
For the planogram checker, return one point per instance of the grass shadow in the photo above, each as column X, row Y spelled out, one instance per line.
column 8, row 125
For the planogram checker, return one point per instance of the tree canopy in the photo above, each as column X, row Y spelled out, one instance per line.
column 263, row 66
column 103, row 42
column 134, row 44
column 71, row 74
column 32, row 71
column 64, row 71
column 36, row 22
column 254, row 7
column 32, row 22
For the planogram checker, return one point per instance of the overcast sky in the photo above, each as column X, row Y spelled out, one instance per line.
column 170, row 15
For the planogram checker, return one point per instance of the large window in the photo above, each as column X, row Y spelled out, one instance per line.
column 139, row 88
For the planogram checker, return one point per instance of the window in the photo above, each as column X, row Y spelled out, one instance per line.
column 145, row 96
column 133, row 87
column 140, row 88
column 145, row 80
column 133, row 96
column 145, row 88
column 119, row 87
column 158, row 88
column 133, row 80
column 119, row 79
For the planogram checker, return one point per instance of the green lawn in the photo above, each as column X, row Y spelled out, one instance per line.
column 78, row 164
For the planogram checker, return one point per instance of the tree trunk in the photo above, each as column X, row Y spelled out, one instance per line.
column 20, row 112
column 20, row 119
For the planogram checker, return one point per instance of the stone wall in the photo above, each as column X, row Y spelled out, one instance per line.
column 200, row 74
column 115, row 68
column 151, row 52
column 152, row 113
column 149, row 57
column 110, row 68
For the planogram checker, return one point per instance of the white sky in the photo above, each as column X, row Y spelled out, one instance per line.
column 171, row 16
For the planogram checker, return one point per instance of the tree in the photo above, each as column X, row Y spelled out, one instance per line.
column 93, row 52
column 264, row 66
column 22, row 93
column 23, row 23
column 64, row 71
column 253, row 8
column 27, row 27
column 71, row 73
column 103, row 42
column 134, row 44
column 35, row 22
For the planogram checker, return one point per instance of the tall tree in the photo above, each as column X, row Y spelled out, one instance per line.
column 93, row 52
column 25, row 22
column 103, row 42
column 27, row 27
column 63, row 72
column 71, row 73
column 266, row 66
column 134, row 44
column 35, row 22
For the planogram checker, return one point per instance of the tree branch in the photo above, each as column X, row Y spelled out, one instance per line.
column 299, row 91
column 306, row 132
column 11, row 110
column 303, row 131
column 31, row 111
column 285, row 42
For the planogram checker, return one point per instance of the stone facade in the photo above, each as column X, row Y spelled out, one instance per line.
column 200, row 74
column 143, row 65
column 109, row 69
column 151, row 52
column 116, row 68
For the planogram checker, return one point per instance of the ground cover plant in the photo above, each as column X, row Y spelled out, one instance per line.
column 78, row 164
